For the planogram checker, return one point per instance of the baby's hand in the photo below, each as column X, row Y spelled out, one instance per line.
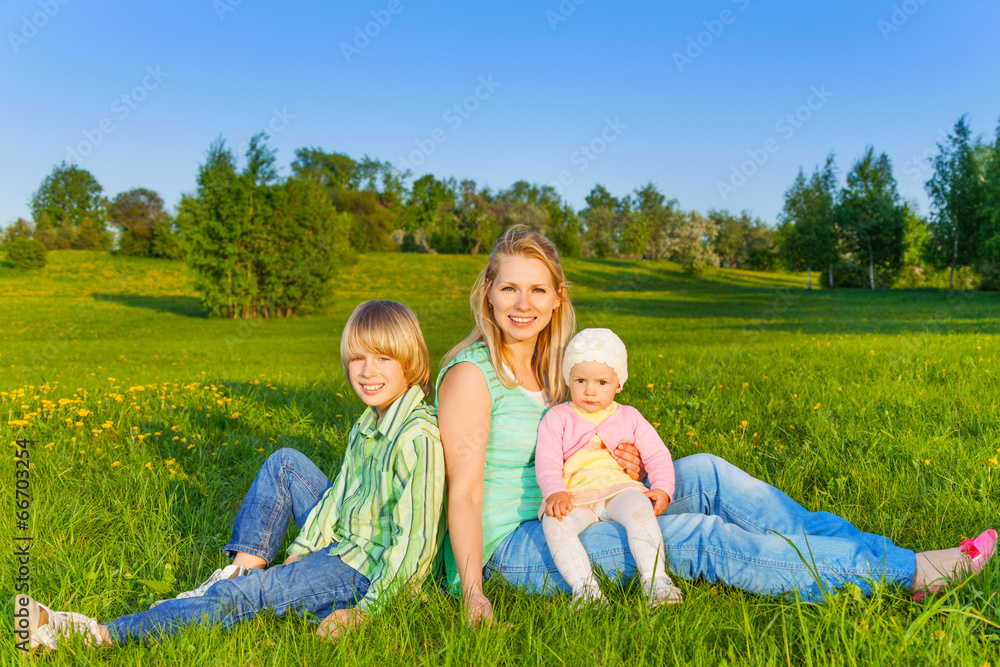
column 660, row 500
column 558, row 505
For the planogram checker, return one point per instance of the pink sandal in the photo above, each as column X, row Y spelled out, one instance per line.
column 979, row 550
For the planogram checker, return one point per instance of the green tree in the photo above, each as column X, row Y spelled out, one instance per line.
column 689, row 242
column 808, row 237
column 258, row 246
column 743, row 241
column 371, row 191
column 958, row 195
column 651, row 218
column 873, row 217
column 602, row 221
column 990, row 249
column 145, row 228
column 20, row 228
column 70, row 199
column 25, row 254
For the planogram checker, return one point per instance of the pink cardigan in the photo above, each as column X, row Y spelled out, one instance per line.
column 563, row 432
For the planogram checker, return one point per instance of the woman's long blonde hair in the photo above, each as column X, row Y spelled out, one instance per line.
column 546, row 363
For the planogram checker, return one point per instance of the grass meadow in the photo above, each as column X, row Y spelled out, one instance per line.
column 148, row 421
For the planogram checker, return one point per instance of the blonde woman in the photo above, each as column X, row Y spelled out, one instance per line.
column 721, row 524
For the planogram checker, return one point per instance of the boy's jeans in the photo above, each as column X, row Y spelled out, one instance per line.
column 316, row 585
column 287, row 486
column 728, row 527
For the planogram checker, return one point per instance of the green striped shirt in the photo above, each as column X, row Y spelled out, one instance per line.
column 384, row 509
column 510, row 491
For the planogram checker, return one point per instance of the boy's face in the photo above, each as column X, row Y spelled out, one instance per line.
column 593, row 385
column 378, row 380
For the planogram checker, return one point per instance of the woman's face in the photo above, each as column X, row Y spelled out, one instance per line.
column 523, row 298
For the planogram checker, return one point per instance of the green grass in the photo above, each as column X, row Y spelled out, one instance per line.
column 883, row 407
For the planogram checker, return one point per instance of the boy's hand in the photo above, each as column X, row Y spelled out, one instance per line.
column 340, row 622
column 292, row 558
column 558, row 505
column 660, row 500
column 627, row 456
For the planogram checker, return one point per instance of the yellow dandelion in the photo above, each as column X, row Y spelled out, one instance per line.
column 48, row 445
column 260, row 449
column 235, row 415
column 191, row 446
column 816, row 407
column 115, row 464
column 83, row 413
column 650, row 385
column 157, row 433
column 744, row 423
column 927, row 462
column 746, row 384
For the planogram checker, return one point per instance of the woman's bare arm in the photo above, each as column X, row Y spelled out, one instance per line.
column 464, row 407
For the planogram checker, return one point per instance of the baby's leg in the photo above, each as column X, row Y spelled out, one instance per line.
column 633, row 510
column 563, row 538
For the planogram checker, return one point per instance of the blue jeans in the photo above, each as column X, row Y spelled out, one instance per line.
column 316, row 585
column 727, row 527
column 287, row 487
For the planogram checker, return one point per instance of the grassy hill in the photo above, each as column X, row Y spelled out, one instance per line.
column 148, row 421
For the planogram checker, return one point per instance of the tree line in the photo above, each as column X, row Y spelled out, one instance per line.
column 864, row 234
column 265, row 246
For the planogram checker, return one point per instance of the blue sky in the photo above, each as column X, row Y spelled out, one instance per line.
column 688, row 96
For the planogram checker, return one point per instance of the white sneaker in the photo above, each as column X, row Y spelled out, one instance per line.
column 587, row 596
column 228, row 572
column 39, row 628
column 662, row 591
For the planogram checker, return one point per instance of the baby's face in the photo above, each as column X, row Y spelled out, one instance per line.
column 593, row 385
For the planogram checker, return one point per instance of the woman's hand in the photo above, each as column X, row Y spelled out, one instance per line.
column 661, row 501
column 478, row 610
column 340, row 622
column 292, row 558
column 627, row 456
column 558, row 505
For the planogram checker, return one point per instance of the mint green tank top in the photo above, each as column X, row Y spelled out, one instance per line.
column 510, row 491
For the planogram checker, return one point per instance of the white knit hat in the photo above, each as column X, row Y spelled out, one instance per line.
column 597, row 345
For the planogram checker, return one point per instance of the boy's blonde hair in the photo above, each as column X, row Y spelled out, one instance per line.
column 520, row 241
column 388, row 327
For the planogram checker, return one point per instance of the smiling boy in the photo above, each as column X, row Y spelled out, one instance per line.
column 373, row 533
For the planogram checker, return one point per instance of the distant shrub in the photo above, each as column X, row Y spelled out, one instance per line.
column 24, row 253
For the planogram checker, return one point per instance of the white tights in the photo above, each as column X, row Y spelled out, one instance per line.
column 634, row 511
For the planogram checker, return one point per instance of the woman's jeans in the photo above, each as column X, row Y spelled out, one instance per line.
column 727, row 527
column 287, row 486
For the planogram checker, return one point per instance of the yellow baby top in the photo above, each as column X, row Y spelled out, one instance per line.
column 592, row 474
